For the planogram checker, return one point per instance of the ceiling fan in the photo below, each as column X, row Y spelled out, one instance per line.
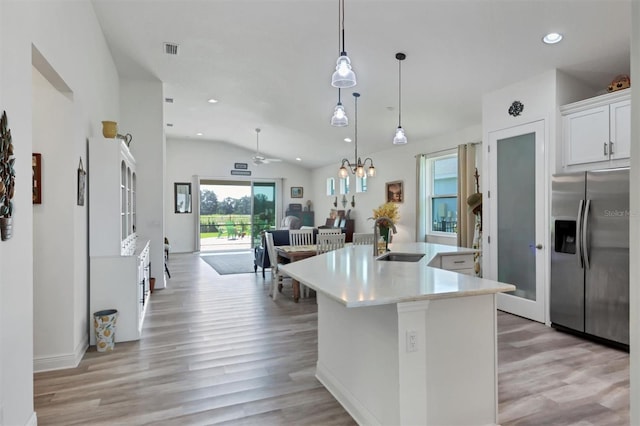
column 259, row 159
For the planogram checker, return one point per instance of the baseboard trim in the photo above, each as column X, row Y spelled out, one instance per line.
column 350, row 403
column 60, row 362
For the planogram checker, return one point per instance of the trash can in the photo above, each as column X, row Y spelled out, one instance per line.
column 105, row 328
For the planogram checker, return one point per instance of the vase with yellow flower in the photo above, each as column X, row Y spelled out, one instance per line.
column 385, row 217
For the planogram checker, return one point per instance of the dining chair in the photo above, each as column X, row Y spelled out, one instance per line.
column 329, row 242
column 300, row 237
column 277, row 277
column 329, row 231
column 361, row 238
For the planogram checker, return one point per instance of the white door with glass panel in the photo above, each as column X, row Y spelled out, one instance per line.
column 517, row 226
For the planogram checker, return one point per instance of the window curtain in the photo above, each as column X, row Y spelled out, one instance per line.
column 466, row 187
column 421, row 198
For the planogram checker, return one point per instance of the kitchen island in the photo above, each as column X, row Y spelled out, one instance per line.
column 404, row 342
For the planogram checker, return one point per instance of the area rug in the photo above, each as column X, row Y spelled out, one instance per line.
column 230, row 263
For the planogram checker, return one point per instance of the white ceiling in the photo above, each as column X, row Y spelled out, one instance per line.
column 269, row 63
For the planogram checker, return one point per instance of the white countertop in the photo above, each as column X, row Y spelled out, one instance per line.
column 353, row 276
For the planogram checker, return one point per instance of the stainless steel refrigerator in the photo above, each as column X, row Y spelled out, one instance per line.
column 590, row 253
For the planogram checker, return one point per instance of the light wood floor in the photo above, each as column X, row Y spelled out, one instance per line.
column 218, row 350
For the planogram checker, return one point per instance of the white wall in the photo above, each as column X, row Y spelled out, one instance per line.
column 141, row 107
column 395, row 163
column 215, row 160
column 69, row 37
column 53, row 268
column 2, row 266
column 634, row 220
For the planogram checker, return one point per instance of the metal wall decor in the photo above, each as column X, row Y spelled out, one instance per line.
column 516, row 108
column 82, row 176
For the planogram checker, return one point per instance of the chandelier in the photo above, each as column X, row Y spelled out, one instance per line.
column 343, row 76
column 358, row 166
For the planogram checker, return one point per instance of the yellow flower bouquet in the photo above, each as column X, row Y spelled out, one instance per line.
column 389, row 210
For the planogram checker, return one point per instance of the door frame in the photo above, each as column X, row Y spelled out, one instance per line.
column 539, row 310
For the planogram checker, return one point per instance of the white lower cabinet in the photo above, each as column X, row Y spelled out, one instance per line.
column 461, row 263
column 121, row 283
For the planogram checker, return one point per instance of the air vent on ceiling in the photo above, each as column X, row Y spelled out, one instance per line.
column 168, row 100
column 171, row 48
column 169, row 124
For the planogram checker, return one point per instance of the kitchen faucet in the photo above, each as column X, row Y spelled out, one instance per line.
column 376, row 234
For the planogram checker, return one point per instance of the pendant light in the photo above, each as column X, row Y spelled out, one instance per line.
column 343, row 76
column 400, row 138
column 339, row 118
column 358, row 166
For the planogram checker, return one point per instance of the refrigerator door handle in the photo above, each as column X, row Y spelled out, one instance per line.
column 578, row 232
column 585, row 221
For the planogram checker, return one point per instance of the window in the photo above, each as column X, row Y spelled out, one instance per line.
column 361, row 184
column 442, row 187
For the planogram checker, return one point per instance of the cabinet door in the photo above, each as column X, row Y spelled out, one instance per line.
column 620, row 113
column 585, row 134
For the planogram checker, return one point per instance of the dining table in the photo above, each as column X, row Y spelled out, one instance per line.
column 293, row 254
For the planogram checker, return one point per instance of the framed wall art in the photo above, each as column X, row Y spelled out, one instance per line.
column 36, row 174
column 296, row 192
column 394, row 192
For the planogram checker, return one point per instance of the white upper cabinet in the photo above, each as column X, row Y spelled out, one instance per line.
column 620, row 128
column 112, row 202
column 597, row 130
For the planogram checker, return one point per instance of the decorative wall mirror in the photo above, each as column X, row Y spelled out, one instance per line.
column 331, row 186
column 344, row 185
column 182, row 197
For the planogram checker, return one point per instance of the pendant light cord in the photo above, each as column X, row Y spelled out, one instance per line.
column 356, row 95
column 339, row 24
column 342, row 21
column 399, row 93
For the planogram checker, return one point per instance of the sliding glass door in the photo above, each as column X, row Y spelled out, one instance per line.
column 233, row 213
column 263, row 210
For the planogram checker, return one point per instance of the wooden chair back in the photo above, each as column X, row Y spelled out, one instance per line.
column 360, row 238
column 329, row 242
column 300, row 237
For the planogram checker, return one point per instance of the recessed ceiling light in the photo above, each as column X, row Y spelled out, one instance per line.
column 347, row 139
column 212, row 101
column 552, row 38
column 199, row 134
column 298, row 159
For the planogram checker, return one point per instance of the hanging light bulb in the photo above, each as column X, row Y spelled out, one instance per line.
column 400, row 138
column 343, row 76
column 339, row 118
column 372, row 171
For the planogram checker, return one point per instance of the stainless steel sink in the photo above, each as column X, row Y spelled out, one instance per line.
column 401, row 257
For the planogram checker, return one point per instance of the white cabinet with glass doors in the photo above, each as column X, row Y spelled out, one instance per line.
column 118, row 262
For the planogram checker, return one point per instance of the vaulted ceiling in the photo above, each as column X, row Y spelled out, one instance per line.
column 269, row 63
